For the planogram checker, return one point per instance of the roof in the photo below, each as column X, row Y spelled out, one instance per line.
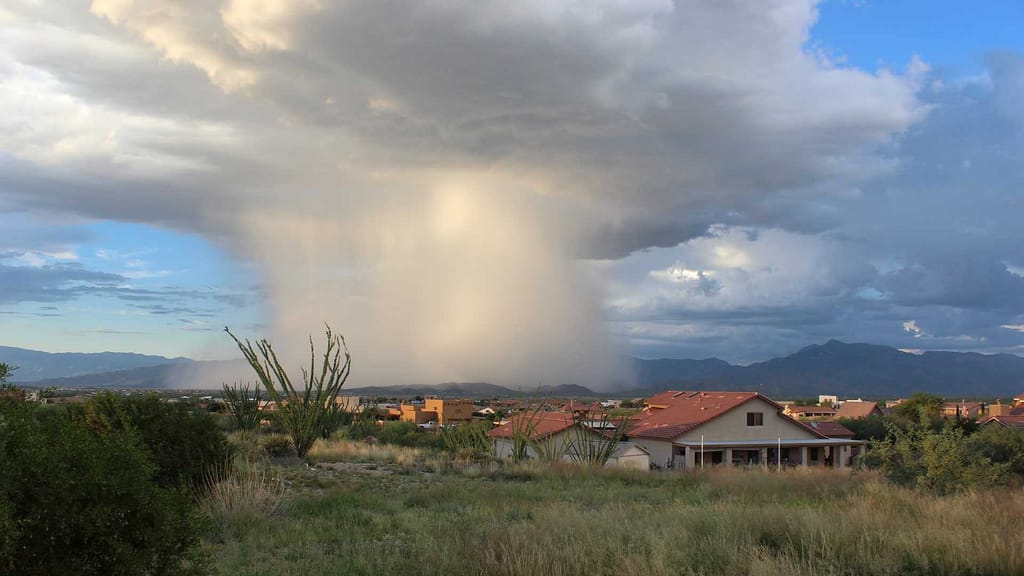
column 830, row 429
column 857, row 409
column 794, row 409
column 767, row 443
column 537, row 425
column 1008, row 421
column 624, row 447
column 673, row 413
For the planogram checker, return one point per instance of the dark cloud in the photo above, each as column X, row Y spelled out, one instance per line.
column 51, row 283
column 429, row 171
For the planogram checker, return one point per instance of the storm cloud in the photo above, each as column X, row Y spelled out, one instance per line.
column 523, row 191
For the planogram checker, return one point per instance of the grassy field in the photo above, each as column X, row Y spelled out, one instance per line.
column 383, row 510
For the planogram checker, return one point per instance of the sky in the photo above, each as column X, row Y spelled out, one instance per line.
column 517, row 192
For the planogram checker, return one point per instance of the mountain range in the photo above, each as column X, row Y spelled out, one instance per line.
column 847, row 370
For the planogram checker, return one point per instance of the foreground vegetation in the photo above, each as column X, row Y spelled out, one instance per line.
column 392, row 510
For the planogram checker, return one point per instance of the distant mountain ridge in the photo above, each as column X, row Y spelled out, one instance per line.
column 35, row 365
column 848, row 370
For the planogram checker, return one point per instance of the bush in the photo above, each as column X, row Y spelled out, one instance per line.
column 1001, row 445
column 277, row 445
column 250, row 492
column 408, row 434
column 941, row 462
column 75, row 501
column 185, row 444
column 468, row 440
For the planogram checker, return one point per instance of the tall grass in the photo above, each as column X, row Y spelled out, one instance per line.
column 252, row 493
column 337, row 449
column 525, row 520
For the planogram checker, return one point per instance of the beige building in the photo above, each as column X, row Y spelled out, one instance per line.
column 439, row 410
column 688, row 430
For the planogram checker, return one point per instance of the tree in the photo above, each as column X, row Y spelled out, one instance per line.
column 309, row 413
column 184, row 443
column 5, row 372
column 921, row 408
column 82, row 502
column 939, row 461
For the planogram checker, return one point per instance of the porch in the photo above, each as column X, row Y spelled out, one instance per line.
column 821, row 452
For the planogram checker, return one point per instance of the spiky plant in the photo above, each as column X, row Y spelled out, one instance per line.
column 243, row 403
column 306, row 414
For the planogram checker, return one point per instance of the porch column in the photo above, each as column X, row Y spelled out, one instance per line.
column 840, row 458
column 763, row 454
column 728, row 456
column 803, row 456
column 690, row 461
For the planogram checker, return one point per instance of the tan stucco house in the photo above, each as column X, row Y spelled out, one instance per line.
column 690, row 430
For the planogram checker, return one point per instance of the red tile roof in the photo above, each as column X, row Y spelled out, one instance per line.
column 537, row 425
column 830, row 429
column 794, row 409
column 673, row 413
column 857, row 409
column 1008, row 421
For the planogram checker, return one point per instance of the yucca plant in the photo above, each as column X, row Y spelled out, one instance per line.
column 243, row 404
column 308, row 413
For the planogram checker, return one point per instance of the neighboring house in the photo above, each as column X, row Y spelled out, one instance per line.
column 630, row 455
column 347, row 403
column 963, row 409
column 999, row 409
column 484, row 412
column 439, row 410
column 858, row 409
column 688, row 430
column 804, row 412
column 550, row 435
column 1006, row 421
column 830, row 429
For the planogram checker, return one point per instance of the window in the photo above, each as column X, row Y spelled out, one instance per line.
column 755, row 418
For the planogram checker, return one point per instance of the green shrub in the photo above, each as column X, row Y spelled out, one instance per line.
column 408, row 434
column 468, row 440
column 941, row 462
column 277, row 445
column 1001, row 445
column 185, row 444
column 243, row 404
column 75, row 501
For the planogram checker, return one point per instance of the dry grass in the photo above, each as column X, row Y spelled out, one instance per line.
column 530, row 519
column 252, row 492
column 339, row 449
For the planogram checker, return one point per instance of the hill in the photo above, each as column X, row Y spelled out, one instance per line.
column 848, row 370
column 863, row 370
column 34, row 365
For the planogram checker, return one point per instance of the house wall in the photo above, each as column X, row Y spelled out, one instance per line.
column 416, row 414
column 660, row 450
column 555, row 444
column 634, row 459
column 449, row 410
column 733, row 426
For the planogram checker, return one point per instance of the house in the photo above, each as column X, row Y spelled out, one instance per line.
column 688, row 430
column 629, row 455
column 998, row 409
column 1005, row 421
column 963, row 409
column 804, row 412
column 347, row 403
column 548, row 435
column 439, row 410
column 858, row 409
column 830, row 429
